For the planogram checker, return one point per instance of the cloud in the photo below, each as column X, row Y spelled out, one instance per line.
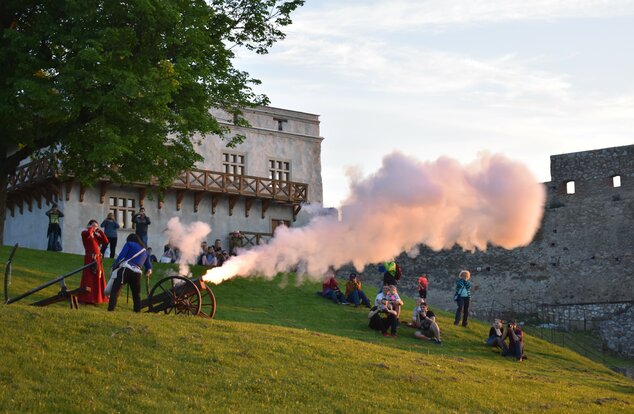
column 405, row 15
column 378, row 67
column 399, row 68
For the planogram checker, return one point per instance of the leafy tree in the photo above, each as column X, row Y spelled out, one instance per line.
column 119, row 88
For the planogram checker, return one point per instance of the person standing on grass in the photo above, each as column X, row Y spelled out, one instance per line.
column 133, row 255
column 463, row 298
column 93, row 277
column 391, row 272
column 141, row 223
column 110, row 226
column 382, row 317
column 422, row 287
column 54, row 231
column 354, row 294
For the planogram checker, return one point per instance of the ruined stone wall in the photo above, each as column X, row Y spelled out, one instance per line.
column 583, row 316
column 583, row 252
column 618, row 333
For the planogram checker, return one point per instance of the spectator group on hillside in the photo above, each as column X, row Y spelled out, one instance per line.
column 385, row 313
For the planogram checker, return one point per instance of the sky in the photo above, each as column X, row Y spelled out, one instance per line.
column 527, row 79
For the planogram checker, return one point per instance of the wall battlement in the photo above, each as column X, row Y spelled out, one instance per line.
column 592, row 171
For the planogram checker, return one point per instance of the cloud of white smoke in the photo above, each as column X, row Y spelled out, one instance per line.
column 407, row 202
column 187, row 238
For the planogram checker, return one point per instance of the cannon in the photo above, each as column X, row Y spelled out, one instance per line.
column 181, row 295
column 172, row 294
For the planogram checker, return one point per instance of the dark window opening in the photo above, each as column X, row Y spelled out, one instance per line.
column 280, row 123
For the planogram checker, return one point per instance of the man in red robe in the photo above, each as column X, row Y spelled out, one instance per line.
column 93, row 277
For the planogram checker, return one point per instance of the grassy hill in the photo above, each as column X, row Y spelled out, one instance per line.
column 273, row 347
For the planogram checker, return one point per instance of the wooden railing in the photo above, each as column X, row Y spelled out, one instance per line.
column 31, row 173
column 196, row 180
column 254, row 239
column 217, row 182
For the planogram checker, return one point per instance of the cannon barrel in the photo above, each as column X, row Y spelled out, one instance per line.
column 47, row 284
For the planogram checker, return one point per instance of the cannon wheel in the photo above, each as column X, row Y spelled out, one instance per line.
column 177, row 294
column 208, row 308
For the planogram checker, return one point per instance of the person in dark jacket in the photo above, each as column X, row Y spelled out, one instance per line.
column 133, row 255
column 141, row 223
column 110, row 226
column 385, row 322
column 516, row 341
column 495, row 338
column 391, row 273
column 54, row 231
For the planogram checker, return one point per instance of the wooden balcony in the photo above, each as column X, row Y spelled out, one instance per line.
column 245, row 185
column 40, row 179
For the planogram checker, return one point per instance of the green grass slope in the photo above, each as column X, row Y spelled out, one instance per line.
column 273, row 347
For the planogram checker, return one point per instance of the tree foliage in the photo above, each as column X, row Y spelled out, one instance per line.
column 119, row 88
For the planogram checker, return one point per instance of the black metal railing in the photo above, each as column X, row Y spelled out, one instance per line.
column 560, row 324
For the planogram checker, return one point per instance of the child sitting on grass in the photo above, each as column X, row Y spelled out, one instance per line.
column 395, row 300
column 414, row 322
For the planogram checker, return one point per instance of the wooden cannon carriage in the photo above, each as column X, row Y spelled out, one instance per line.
column 181, row 295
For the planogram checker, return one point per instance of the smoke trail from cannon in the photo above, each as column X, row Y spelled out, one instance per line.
column 491, row 201
column 187, row 238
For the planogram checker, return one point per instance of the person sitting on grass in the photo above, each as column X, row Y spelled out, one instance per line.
column 382, row 317
column 414, row 322
column 428, row 328
column 210, row 259
column 354, row 294
column 516, row 341
column 495, row 336
column 331, row 289
column 153, row 257
column 385, row 291
column 169, row 255
column 395, row 300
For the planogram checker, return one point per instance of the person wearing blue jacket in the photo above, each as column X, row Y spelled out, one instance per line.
column 110, row 226
column 463, row 297
column 129, row 262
